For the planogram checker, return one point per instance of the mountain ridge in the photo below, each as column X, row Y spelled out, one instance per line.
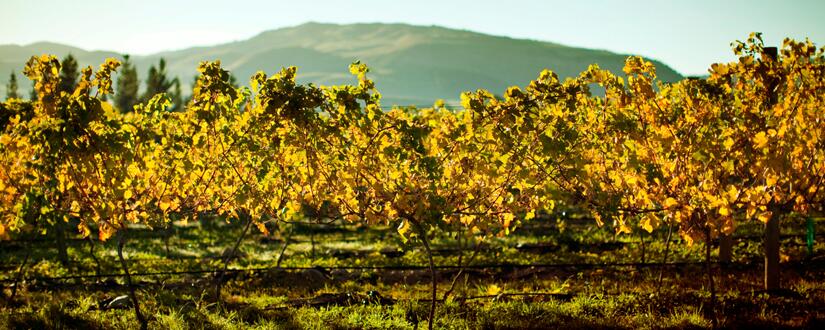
column 410, row 63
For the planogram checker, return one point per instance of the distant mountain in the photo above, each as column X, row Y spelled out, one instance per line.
column 410, row 64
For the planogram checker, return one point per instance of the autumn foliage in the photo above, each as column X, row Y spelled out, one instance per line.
column 744, row 144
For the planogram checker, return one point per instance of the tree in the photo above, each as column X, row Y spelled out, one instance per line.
column 157, row 82
column 33, row 92
column 176, row 96
column 127, row 87
column 68, row 75
column 779, row 135
column 11, row 88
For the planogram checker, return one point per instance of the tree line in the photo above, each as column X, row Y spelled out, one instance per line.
column 127, row 93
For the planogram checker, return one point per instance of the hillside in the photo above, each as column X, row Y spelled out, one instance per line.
column 410, row 64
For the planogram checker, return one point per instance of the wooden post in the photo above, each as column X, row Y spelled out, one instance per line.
column 772, row 226
column 709, row 270
column 725, row 248
column 809, row 238
column 60, row 237
column 772, row 252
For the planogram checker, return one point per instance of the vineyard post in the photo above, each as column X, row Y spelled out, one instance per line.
column 311, row 240
column 772, row 225
column 809, row 237
column 167, row 235
column 709, row 270
column 772, row 251
column 644, row 245
column 60, row 237
column 725, row 248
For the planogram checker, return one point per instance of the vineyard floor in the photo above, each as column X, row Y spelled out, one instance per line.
column 547, row 274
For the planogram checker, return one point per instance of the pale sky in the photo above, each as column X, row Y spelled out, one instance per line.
column 687, row 35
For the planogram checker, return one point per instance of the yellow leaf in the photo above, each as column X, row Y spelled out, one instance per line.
column 751, row 211
column 174, row 203
column 770, row 180
column 468, row 219
column 391, row 212
column 598, row 218
column 105, row 231
column 83, row 229
column 764, row 216
column 262, row 228
column 733, row 194
column 493, row 290
column 649, row 222
column 403, row 229
column 508, row 219
column 760, row 139
column 728, row 143
column 670, row 202
column 294, row 207
column 133, row 170
column 728, row 166
column 164, row 204
column 530, row 215
column 688, row 240
column 623, row 229
column 724, row 211
column 75, row 208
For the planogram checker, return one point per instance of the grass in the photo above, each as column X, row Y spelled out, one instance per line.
column 505, row 298
column 620, row 311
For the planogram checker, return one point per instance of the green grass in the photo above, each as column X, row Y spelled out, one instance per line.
column 620, row 311
column 613, row 297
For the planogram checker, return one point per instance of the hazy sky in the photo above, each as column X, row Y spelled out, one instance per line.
column 687, row 35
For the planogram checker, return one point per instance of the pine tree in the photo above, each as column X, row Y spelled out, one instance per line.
column 176, row 96
column 156, row 81
column 11, row 88
column 126, row 95
column 68, row 74
column 33, row 93
column 233, row 81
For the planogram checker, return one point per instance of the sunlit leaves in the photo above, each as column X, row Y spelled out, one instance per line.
column 760, row 140
column 746, row 143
